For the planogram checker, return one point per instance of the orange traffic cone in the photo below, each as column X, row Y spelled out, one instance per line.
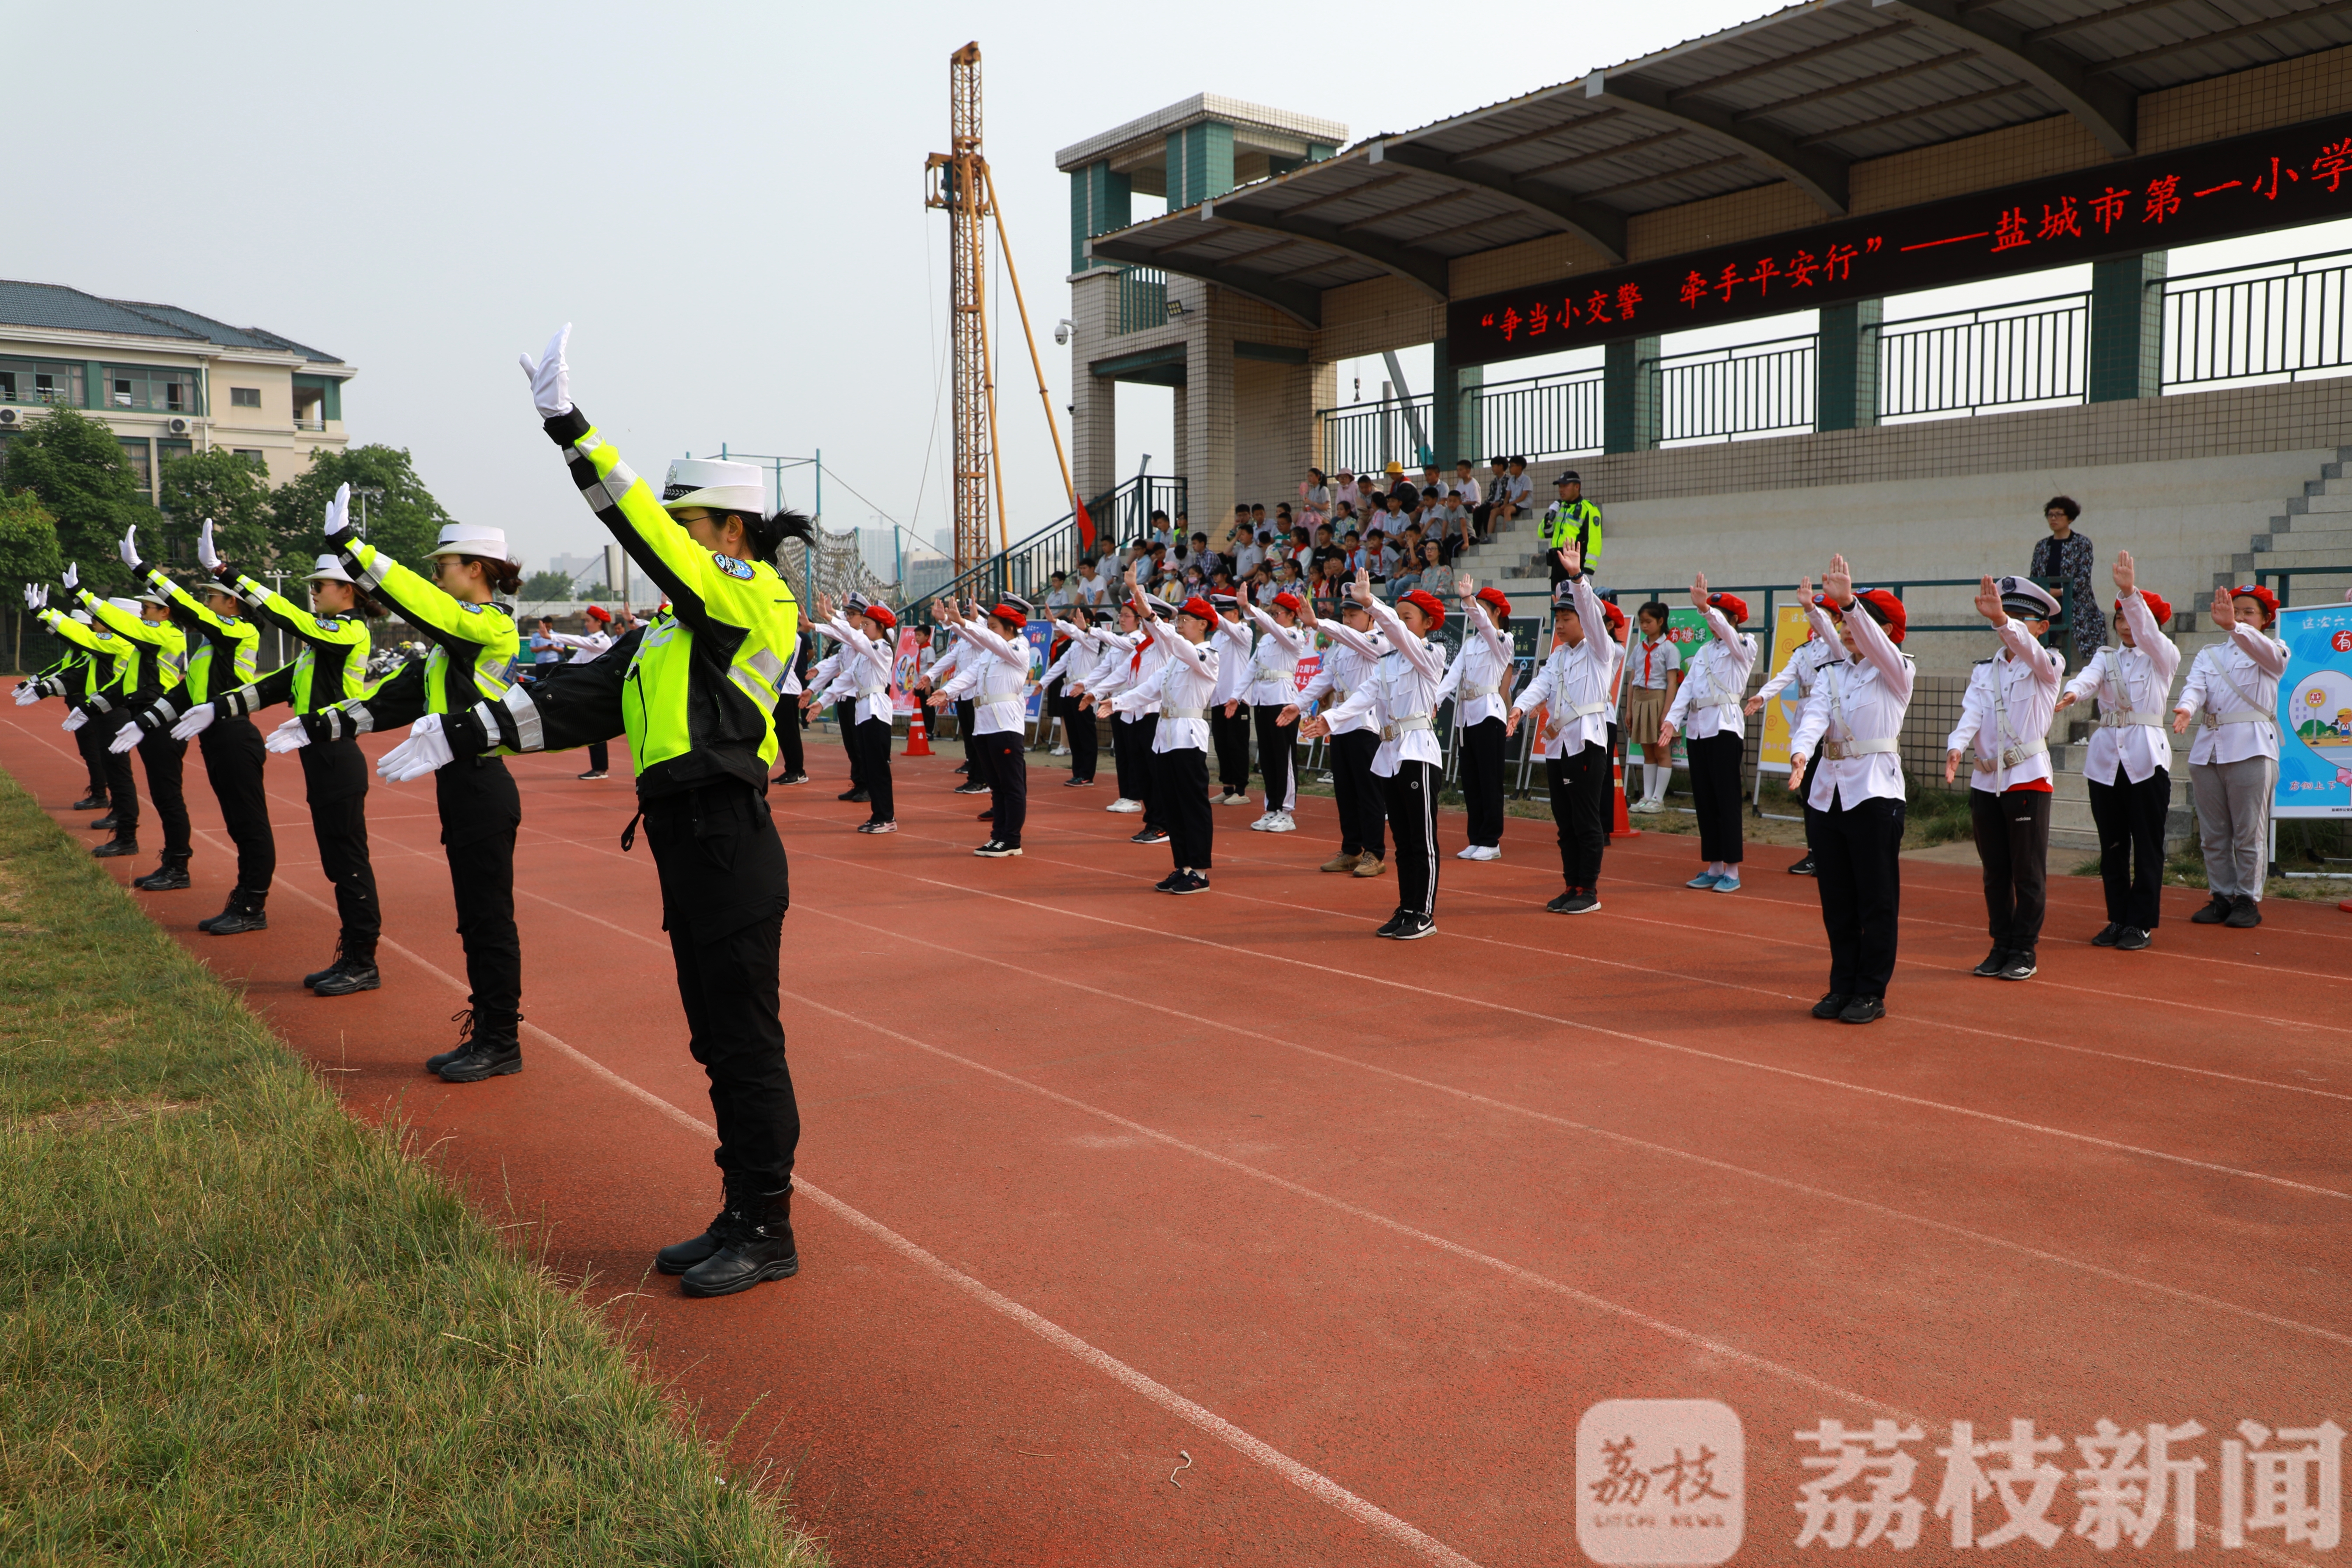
column 1622, row 826
column 918, row 743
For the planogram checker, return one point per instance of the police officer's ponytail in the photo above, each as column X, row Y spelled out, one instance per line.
column 767, row 535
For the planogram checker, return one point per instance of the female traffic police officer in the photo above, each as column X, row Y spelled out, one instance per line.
column 77, row 676
column 95, row 701
column 697, row 705
column 154, row 649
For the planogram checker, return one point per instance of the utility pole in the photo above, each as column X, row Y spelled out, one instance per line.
column 958, row 183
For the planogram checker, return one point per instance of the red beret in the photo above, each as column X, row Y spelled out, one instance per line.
column 1880, row 605
column 2157, row 605
column 880, row 615
column 1429, row 605
column 2260, row 594
column 1497, row 598
column 1287, row 602
column 1734, row 607
column 1010, row 616
column 599, row 613
column 1614, row 616
column 1199, row 609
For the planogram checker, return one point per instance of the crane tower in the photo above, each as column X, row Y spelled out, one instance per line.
column 958, row 182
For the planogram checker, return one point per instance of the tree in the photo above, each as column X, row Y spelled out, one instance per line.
column 73, row 464
column 545, row 587
column 405, row 520
column 231, row 489
column 29, row 553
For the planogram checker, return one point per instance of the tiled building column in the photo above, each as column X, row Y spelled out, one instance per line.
column 1208, row 423
column 1845, row 386
column 1094, row 402
column 1629, row 395
column 2126, row 327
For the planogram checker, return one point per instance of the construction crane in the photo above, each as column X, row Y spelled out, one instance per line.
column 959, row 181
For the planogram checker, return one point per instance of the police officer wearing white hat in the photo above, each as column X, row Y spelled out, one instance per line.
column 2005, row 723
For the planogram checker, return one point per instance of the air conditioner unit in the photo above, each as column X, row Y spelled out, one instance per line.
column 176, row 426
column 11, row 418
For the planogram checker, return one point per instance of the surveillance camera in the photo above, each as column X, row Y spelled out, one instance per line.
column 1062, row 335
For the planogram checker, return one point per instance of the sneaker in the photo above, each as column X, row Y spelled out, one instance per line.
column 985, row 814
column 878, row 828
column 1703, row 881
column 1189, row 882
column 1558, row 906
column 2244, row 913
column 2021, row 966
column 963, row 767
column 1280, row 822
column 856, row 797
column 1078, row 784
column 1412, row 928
column 595, row 773
column 789, row 779
column 1646, row 807
column 1124, row 804
column 115, row 848
column 1467, row 852
column 1803, row 867
column 1234, row 798
column 1340, row 863
column 1583, row 901
column 1371, row 866
column 1831, row 1006
column 1261, row 825
column 351, row 974
column 2132, row 939
column 1150, row 836
column 2214, row 912
column 1168, row 884
column 2109, row 934
column 1394, row 925
column 1863, row 1010
column 1994, row 962
column 1488, row 852
column 996, row 849
column 972, row 789
column 1728, row 884
column 1059, row 752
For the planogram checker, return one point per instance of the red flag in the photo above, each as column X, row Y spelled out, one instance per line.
column 1086, row 528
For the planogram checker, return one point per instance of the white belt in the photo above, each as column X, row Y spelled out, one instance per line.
column 1259, row 672
column 2113, row 721
column 872, row 690
column 1404, row 726
column 1183, row 712
column 1471, row 693
column 1838, row 751
column 2011, row 756
column 1583, row 709
column 2212, row 721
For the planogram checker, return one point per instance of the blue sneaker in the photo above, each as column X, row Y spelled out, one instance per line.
column 1702, row 881
column 1729, row 883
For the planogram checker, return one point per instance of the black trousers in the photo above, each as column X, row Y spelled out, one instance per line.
column 845, row 722
column 963, row 733
column 480, row 812
column 1481, row 781
column 1008, row 783
column 122, row 789
column 91, row 741
column 1858, row 873
column 725, row 887
column 1180, row 784
column 1122, row 758
column 600, row 756
column 166, row 760
column 788, row 753
column 869, row 753
column 1277, row 757
column 2013, row 841
column 1231, row 737
column 1715, row 791
column 2130, row 819
column 1580, row 784
column 232, row 756
column 1147, row 788
column 1412, row 798
column 1085, row 740
column 335, row 783
column 1363, row 808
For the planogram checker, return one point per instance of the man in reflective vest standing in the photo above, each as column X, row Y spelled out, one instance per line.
column 1571, row 522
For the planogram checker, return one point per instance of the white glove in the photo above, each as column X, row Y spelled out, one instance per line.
column 129, row 548
column 288, row 736
column 127, row 737
column 206, row 556
column 339, row 516
column 550, row 377
column 72, row 579
column 27, row 694
column 426, row 748
column 74, row 721
column 194, row 722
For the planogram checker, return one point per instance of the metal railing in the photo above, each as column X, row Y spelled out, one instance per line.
column 1762, row 619
column 2288, row 319
column 2285, row 576
column 1752, row 389
column 2004, row 356
column 1553, row 416
column 1028, row 566
column 1143, row 299
column 1365, row 437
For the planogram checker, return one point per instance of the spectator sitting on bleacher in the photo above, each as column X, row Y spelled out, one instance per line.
column 1090, row 589
column 1451, row 524
column 1346, row 493
column 1058, row 595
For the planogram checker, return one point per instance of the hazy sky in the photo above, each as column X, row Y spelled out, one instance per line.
column 725, row 199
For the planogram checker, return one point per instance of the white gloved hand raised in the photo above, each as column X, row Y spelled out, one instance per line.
column 128, row 736
column 74, row 721
column 550, row 377
column 339, row 516
column 206, row 556
column 194, row 722
column 72, row 579
column 129, row 548
column 288, row 737
column 425, row 749
column 37, row 597
column 27, row 694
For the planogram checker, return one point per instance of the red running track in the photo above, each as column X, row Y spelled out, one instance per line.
column 1093, row 1178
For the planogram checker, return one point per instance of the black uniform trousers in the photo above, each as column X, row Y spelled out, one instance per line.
column 976, row 756
column 1277, row 757
column 1180, row 784
column 2012, row 832
column 232, row 756
column 1123, row 763
column 870, row 757
column 2130, row 820
column 963, row 711
column 91, row 741
column 725, row 887
column 1231, row 737
column 600, row 756
column 788, row 753
column 1715, row 793
column 1858, row 874
column 335, row 783
column 1148, row 787
column 1363, row 809
column 1482, row 780
column 480, row 812
column 122, row 789
column 1008, row 783
column 166, row 760
column 1085, row 740
column 1412, row 797
column 845, row 722
column 1580, row 784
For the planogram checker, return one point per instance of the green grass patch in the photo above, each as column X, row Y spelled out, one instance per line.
column 238, row 1326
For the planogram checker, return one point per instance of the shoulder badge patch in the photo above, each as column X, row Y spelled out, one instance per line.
column 330, row 623
column 733, row 567
column 469, row 607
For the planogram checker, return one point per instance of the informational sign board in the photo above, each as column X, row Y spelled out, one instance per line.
column 1039, row 636
column 904, row 667
column 1782, row 714
column 2315, row 718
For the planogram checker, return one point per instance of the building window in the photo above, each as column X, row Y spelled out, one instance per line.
column 255, row 455
column 245, row 397
column 154, row 388
column 137, row 458
column 40, row 380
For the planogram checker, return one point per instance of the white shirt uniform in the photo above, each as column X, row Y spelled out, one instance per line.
column 995, row 675
column 1401, row 696
column 1467, row 491
column 1343, row 669
column 2131, row 685
column 1274, row 667
column 1715, row 682
column 1479, row 679
column 1077, row 656
column 584, row 650
column 822, row 675
column 2006, row 711
column 2233, row 693
column 1802, row 667
column 1651, row 666
column 1176, row 685
column 864, row 667
column 1852, row 724
column 1109, row 651
column 943, row 667
column 1235, row 642
column 1576, row 685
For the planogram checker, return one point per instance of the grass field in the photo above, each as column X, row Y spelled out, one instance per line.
column 237, row 1326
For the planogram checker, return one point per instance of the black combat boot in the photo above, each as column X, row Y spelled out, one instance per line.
column 679, row 1256
column 244, row 914
column 757, row 1244
column 352, row 972
column 117, row 846
column 171, row 877
column 495, row 1051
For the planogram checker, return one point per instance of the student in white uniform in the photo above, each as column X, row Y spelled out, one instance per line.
column 1706, row 708
column 1479, row 682
column 1178, row 687
column 995, row 675
column 1855, row 807
column 1801, row 669
column 1074, row 655
column 1272, row 692
column 1402, row 696
column 1229, row 712
column 867, row 637
column 2127, row 769
column 1654, row 670
column 1574, row 686
column 1115, row 668
column 1357, row 649
column 2005, row 722
column 2231, row 694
